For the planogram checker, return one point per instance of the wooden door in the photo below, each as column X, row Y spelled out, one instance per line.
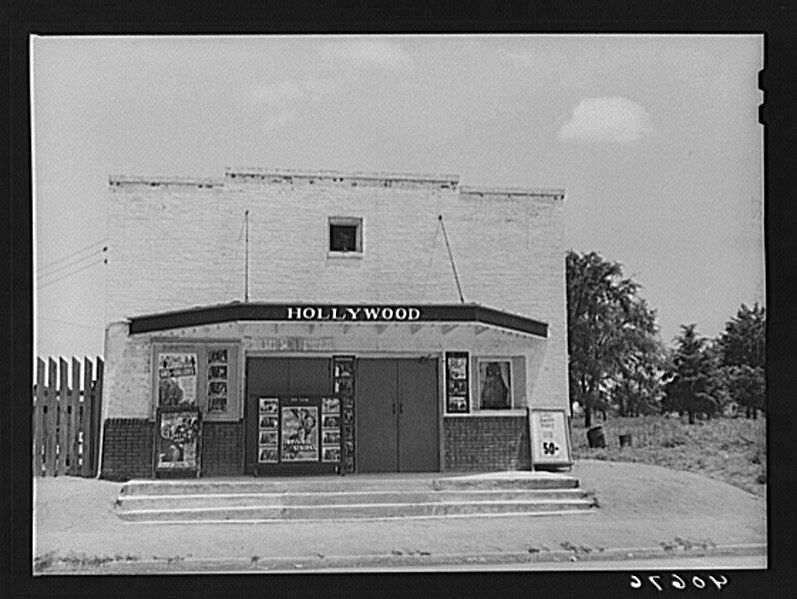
column 376, row 437
column 418, row 433
column 265, row 377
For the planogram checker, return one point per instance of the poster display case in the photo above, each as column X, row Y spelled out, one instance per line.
column 457, row 387
column 330, row 430
column 343, row 375
column 218, row 380
column 299, row 434
column 268, row 430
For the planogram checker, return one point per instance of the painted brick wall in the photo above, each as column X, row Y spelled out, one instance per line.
column 222, row 448
column 128, row 443
column 177, row 245
column 127, row 449
column 486, row 443
column 127, row 386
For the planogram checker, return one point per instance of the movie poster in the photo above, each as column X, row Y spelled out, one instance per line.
column 300, row 434
column 269, row 405
column 177, row 373
column 331, row 454
column 268, row 455
column 330, row 405
column 178, row 435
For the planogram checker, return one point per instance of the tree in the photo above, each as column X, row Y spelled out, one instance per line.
column 638, row 387
column 746, row 387
column 744, row 338
column 743, row 356
column 694, row 384
column 611, row 333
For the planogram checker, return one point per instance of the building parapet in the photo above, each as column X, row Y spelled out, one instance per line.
column 163, row 180
column 294, row 176
column 380, row 179
column 557, row 194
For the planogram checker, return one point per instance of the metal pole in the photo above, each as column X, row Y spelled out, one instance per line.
column 451, row 257
column 246, row 265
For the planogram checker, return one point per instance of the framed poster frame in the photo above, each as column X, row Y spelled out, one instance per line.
column 549, row 425
column 457, row 388
column 344, row 382
column 171, row 413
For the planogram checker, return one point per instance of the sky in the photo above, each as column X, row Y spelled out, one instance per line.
column 655, row 139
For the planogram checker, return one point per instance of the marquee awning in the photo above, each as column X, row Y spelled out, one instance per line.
column 338, row 313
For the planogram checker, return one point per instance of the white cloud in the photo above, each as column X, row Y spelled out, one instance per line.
column 318, row 88
column 368, row 53
column 520, row 60
column 283, row 101
column 610, row 119
column 290, row 92
column 276, row 120
column 277, row 93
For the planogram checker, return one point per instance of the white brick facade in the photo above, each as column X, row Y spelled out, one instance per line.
column 176, row 244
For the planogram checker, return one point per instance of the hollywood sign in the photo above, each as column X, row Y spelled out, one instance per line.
column 381, row 313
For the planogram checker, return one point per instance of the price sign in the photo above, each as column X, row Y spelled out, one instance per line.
column 550, row 443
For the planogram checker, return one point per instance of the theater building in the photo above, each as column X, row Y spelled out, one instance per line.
column 272, row 322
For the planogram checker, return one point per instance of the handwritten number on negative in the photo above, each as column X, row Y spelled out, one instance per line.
column 677, row 582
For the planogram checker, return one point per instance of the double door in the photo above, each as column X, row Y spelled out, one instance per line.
column 397, row 415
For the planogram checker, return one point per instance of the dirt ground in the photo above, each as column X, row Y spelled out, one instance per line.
column 641, row 506
column 732, row 450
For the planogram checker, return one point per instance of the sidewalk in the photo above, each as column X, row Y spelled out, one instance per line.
column 645, row 512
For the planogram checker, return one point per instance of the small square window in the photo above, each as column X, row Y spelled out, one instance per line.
column 346, row 235
column 495, row 385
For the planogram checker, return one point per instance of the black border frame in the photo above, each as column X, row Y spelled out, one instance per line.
column 774, row 19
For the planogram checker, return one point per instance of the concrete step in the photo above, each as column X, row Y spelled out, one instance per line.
column 286, row 499
column 356, row 511
column 333, row 484
column 261, row 485
column 360, row 496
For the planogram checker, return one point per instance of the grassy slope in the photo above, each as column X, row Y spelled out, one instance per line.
column 730, row 450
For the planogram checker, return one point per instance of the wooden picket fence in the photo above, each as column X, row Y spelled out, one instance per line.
column 66, row 418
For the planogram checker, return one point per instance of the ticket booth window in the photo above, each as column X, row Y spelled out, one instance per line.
column 495, row 384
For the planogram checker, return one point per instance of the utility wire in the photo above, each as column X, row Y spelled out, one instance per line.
column 80, row 251
column 75, row 324
column 451, row 257
column 69, row 274
column 62, row 267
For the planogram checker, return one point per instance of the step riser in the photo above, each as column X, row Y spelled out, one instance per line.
column 310, row 499
column 459, row 484
column 347, row 512
column 209, row 488
column 131, row 489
